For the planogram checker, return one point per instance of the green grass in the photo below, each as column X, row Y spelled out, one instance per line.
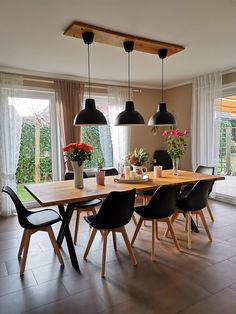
column 23, row 195
column 232, row 161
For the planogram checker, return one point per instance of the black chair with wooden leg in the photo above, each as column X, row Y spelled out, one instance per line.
column 87, row 206
column 193, row 202
column 114, row 172
column 203, row 170
column 115, row 212
column 33, row 222
column 160, row 208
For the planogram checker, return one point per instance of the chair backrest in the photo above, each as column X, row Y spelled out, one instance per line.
column 110, row 171
column 163, row 202
column 116, row 210
column 69, row 175
column 205, row 170
column 163, row 159
column 22, row 212
column 196, row 198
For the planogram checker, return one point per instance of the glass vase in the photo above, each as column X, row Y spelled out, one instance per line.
column 78, row 175
column 175, row 163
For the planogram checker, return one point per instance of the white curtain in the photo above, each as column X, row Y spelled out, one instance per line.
column 120, row 135
column 204, row 134
column 10, row 134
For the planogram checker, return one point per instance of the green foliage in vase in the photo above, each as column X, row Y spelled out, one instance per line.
column 138, row 157
column 176, row 143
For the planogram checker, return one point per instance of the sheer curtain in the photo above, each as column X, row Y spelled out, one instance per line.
column 69, row 99
column 10, row 135
column 204, row 133
column 120, row 135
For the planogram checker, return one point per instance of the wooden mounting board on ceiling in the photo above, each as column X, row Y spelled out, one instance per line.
column 109, row 37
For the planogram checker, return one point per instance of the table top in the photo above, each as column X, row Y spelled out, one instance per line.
column 62, row 192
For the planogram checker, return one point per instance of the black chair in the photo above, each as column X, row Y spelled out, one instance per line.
column 87, row 206
column 116, row 211
column 33, row 222
column 110, row 171
column 162, row 158
column 160, row 208
column 204, row 170
column 194, row 202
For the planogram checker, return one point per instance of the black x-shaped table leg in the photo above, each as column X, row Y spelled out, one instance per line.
column 65, row 232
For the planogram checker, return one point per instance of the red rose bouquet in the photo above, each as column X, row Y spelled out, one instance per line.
column 78, row 152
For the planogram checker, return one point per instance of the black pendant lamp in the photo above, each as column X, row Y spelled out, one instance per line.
column 162, row 116
column 129, row 116
column 89, row 115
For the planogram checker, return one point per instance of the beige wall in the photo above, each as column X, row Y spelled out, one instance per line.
column 146, row 104
column 229, row 78
column 179, row 102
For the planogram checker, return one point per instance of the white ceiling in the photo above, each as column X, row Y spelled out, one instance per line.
column 31, row 38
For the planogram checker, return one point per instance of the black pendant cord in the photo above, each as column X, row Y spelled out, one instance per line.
column 89, row 70
column 162, row 92
column 129, row 75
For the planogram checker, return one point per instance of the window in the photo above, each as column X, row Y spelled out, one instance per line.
column 37, row 159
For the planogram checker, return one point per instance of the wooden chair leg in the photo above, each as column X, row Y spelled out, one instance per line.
column 104, row 251
column 188, row 218
column 54, row 244
column 128, row 245
column 210, row 212
column 157, row 230
column 170, row 227
column 93, row 210
column 153, row 239
column 134, row 220
column 173, row 217
column 114, row 240
column 205, row 224
column 197, row 219
column 137, row 230
column 22, row 243
column 91, row 238
column 25, row 253
column 76, row 226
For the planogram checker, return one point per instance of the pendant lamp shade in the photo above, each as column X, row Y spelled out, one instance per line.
column 129, row 117
column 162, row 117
column 89, row 115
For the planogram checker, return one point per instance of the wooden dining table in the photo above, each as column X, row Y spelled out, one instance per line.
column 64, row 195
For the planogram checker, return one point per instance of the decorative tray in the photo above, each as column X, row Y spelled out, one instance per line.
column 141, row 180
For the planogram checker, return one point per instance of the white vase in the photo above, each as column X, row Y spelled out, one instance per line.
column 78, row 175
column 175, row 163
column 139, row 170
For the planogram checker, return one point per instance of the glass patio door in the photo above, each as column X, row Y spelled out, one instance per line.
column 37, row 159
column 226, row 165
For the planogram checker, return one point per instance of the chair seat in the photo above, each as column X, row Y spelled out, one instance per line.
column 43, row 218
column 141, row 210
column 90, row 219
column 87, row 204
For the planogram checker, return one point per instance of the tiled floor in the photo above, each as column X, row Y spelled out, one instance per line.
column 201, row 280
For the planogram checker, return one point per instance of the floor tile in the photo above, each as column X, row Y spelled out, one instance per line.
column 27, row 299
column 222, row 302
